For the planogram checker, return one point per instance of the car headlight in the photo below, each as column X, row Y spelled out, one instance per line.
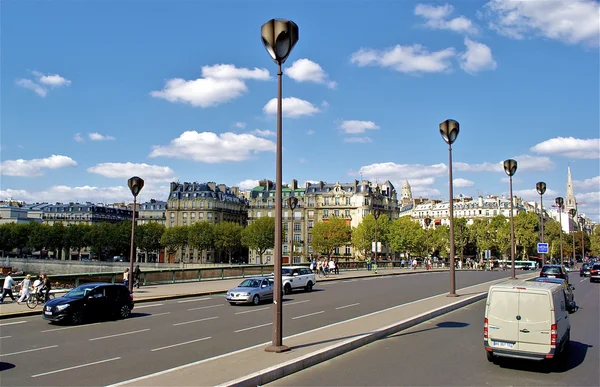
column 62, row 307
column 245, row 294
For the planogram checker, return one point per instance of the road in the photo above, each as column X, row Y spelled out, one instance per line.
column 166, row 334
column 448, row 351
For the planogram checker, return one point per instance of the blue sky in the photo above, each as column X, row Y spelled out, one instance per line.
column 95, row 92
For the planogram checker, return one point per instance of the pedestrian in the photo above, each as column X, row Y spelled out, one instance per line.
column 9, row 282
column 25, row 288
column 137, row 274
column 126, row 278
column 337, row 267
column 46, row 287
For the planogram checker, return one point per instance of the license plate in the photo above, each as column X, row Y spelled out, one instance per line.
column 502, row 344
column 551, row 276
column 48, row 313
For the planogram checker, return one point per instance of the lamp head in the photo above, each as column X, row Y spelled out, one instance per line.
column 573, row 212
column 559, row 201
column 135, row 185
column 376, row 214
column 292, row 202
column 279, row 37
column 541, row 187
column 427, row 221
column 449, row 130
column 510, row 167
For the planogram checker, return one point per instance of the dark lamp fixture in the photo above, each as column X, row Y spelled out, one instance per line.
column 292, row 202
column 449, row 130
column 279, row 37
column 135, row 185
column 559, row 201
column 376, row 214
column 541, row 187
column 510, row 167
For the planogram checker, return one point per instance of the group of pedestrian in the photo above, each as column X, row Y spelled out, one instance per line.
column 322, row 266
column 42, row 285
column 137, row 274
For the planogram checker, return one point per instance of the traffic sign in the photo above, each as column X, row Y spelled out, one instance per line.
column 542, row 248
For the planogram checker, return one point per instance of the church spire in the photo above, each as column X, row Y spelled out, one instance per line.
column 570, row 201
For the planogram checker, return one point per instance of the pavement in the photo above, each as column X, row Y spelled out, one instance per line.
column 254, row 366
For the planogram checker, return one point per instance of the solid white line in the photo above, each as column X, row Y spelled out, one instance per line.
column 347, row 306
column 254, row 327
column 253, row 310
column 12, row 323
column 29, row 350
column 204, row 307
column 4, row 337
column 154, row 315
column 193, row 321
column 194, row 300
column 75, row 367
column 147, row 306
column 369, row 278
column 177, row 345
column 307, row 315
column 350, row 280
column 71, row 327
column 295, row 302
column 119, row 334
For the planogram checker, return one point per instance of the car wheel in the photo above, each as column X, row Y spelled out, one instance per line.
column 287, row 289
column 490, row 356
column 124, row 311
column 232, row 303
column 77, row 317
column 256, row 299
column 309, row 286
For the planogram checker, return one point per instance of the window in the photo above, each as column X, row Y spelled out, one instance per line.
column 209, row 216
column 285, row 214
column 298, row 238
column 311, row 202
column 309, row 238
column 297, row 227
column 347, row 201
column 185, row 204
column 269, row 214
column 258, row 214
column 337, row 213
column 367, row 201
column 347, row 250
column 347, row 213
column 311, row 214
column 172, row 215
column 337, row 201
column 325, row 213
column 326, row 201
column 311, row 224
column 193, row 215
column 185, row 215
column 201, row 215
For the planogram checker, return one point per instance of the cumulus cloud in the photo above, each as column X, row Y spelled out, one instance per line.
column 240, row 125
column 99, row 137
column 248, row 184
column 29, row 84
column 524, row 163
column 570, row 147
column 210, row 147
column 305, row 70
column 42, row 83
column 34, row 167
column 406, row 59
column 362, row 140
column 356, row 127
column 263, row 133
column 292, row 107
column 593, row 183
column 401, row 172
column 126, row 170
column 437, row 17
column 77, row 137
column 534, row 196
column 460, row 183
column 477, row 57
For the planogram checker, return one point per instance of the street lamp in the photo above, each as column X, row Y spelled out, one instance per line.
column 582, row 222
column 135, row 186
column 292, row 203
column 510, row 167
column 279, row 37
column 449, row 130
column 559, row 202
column 427, row 222
column 541, row 189
column 376, row 214
column 573, row 213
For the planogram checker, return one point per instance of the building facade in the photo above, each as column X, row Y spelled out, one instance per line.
column 81, row 213
column 153, row 211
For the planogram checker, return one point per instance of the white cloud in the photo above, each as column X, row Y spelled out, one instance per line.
column 571, row 22
column 248, row 184
column 310, row 132
column 240, row 125
column 263, row 133
column 570, row 147
column 463, row 183
column 437, row 18
column 209, row 147
column 29, row 84
column 478, row 57
column 406, row 59
column 483, row 167
column 507, row 180
column 34, row 167
column 362, row 140
column 401, row 172
column 51, row 80
column 220, row 84
column 99, row 137
column 126, row 170
column 355, row 127
column 292, row 107
column 78, row 137
column 534, row 196
column 524, row 163
column 305, row 70
column 589, row 197
column 593, row 183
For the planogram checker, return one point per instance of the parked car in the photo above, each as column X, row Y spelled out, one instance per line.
column 571, row 306
column 97, row 300
column 251, row 290
column 585, row 270
column 595, row 273
column 297, row 277
column 555, row 271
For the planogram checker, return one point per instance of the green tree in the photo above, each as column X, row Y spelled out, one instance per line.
column 147, row 237
column 461, row 236
column 526, row 234
column 552, row 232
column 56, row 239
column 228, row 237
column 7, row 242
column 364, row 235
column 37, row 236
column 479, row 235
column 499, row 235
column 175, row 238
column 260, row 235
column 78, row 236
column 201, row 237
column 326, row 236
column 440, row 240
column 406, row 236
column 595, row 241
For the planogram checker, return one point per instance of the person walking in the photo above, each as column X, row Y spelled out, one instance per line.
column 25, row 288
column 9, row 282
column 126, row 278
column 137, row 274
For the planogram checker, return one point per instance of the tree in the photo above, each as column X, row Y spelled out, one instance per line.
column 228, row 237
column 406, row 236
column 147, row 237
column 498, row 231
column 201, row 237
column 364, row 234
column 7, row 242
column 595, row 241
column 479, row 235
column 78, row 236
column 526, row 234
column 552, row 233
column 56, row 239
column 461, row 236
column 260, row 235
column 175, row 238
column 328, row 235
column 440, row 240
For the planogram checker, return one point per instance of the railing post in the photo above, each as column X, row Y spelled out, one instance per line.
column 199, row 274
column 144, row 283
column 173, row 277
column 222, row 273
column 243, row 272
column 76, row 281
column 113, row 278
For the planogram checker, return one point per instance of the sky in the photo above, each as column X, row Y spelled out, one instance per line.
column 95, row 92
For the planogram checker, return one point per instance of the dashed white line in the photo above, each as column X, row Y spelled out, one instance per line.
column 307, row 315
column 583, row 280
column 204, row 307
column 347, row 306
column 71, row 327
column 253, row 310
column 12, row 323
column 119, row 334
column 177, row 345
column 295, row 302
column 148, row 306
column 28, row 350
column 194, row 300
column 254, row 327
column 75, row 367
column 157, row 314
column 193, row 321
column 350, row 280
column 4, row 337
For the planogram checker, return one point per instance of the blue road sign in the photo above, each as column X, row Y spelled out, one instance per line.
column 542, row 248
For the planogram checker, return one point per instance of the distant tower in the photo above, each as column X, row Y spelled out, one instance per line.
column 570, row 201
column 406, row 194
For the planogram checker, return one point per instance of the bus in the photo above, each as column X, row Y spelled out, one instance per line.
column 523, row 265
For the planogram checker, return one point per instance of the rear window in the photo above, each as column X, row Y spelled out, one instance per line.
column 551, row 270
column 596, row 266
column 534, row 308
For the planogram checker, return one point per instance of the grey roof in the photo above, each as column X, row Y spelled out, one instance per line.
column 203, row 190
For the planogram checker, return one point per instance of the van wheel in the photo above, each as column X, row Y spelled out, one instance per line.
column 309, row 286
column 490, row 356
column 287, row 289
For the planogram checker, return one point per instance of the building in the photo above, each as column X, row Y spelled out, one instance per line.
column 153, row 211
column 12, row 214
column 80, row 213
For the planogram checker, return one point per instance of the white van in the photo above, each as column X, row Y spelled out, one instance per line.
column 526, row 320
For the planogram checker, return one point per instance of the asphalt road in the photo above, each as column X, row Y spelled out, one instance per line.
column 166, row 334
column 448, row 351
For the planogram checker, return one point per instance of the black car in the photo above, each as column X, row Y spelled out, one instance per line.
column 585, row 270
column 90, row 301
column 568, row 289
column 555, row 271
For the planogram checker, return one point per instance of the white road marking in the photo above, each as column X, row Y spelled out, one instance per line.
column 147, row 306
column 253, row 310
column 204, row 307
column 350, row 280
column 119, row 334
column 4, row 337
column 194, row 300
column 157, row 314
column 12, row 323
column 347, row 306
column 71, row 327
column 295, row 302
column 193, row 321
column 307, row 315
column 28, row 350
column 184, row 343
column 369, row 278
column 75, row 367
column 583, row 280
column 254, row 327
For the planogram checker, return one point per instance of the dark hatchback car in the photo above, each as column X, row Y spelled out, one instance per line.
column 90, row 301
column 585, row 270
column 568, row 289
column 555, row 271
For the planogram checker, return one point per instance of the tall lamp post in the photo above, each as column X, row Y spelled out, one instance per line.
column 573, row 213
column 292, row 203
column 376, row 214
column 510, row 167
column 135, row 186
column 279, row 36
column 427, row 222
column 582, row 222
column 559, row 202
column 541, row 189
column 449, row 130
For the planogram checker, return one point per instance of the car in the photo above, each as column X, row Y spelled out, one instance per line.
column 585, row 270
column 555, row 271
column 251, row 290
column 595, row 273
column 571, row 305
column 96, row 300
column 297, row 277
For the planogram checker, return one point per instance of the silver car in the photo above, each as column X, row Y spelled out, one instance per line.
column 251, row 290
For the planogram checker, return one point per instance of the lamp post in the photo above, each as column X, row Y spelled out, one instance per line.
column 376, row 214
column 559, row 202
column 573, row 213
column 582, row 222
column 427, row 222
column 292, row 203
column 510, row 167
column 449, row 130
column 541, row 189
column 135, row 186
column 279, row 36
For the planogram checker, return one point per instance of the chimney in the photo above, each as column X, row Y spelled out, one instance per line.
column 294, row 184
column 222, row 188
column 355, row 185
column 212, row 185
column 173, row 186
column 480, row 200
column 321, row 184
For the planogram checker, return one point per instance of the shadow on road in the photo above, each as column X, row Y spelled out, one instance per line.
column 566, row 362
column 443, row 324
column 6, row 366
